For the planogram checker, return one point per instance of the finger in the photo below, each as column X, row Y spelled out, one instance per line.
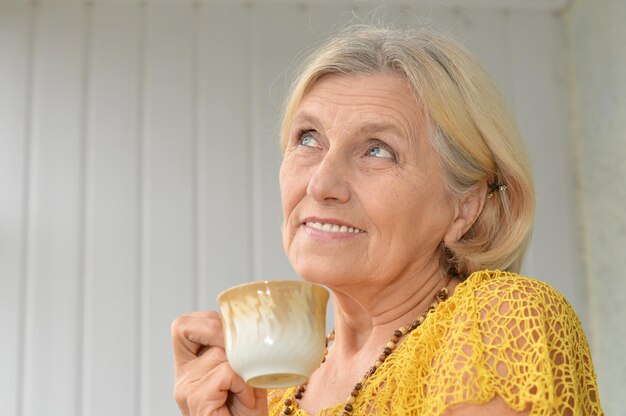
column 181, row 400
column 193, row 380
column 210, row 384
column 205, row 363
column 214, row 391
column 195, row 370
column 191, row 333
column 242, row 394
column 201, row 328
column 260, row 396
column 228, row 381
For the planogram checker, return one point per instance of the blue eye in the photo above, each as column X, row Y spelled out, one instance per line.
column 307, row 139
column 379, row 151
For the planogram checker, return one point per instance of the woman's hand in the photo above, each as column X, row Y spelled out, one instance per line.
column 205, row 383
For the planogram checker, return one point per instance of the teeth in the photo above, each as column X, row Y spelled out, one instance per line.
column 333, row 228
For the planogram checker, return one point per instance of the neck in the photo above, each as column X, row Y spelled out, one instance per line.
column 364, row 319
column 363, row 330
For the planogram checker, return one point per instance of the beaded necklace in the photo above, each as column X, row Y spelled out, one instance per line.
column 389, row 348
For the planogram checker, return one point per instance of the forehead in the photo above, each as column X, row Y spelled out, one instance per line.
column 348, row 99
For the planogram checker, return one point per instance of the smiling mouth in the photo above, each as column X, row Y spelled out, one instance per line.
column 333, row 228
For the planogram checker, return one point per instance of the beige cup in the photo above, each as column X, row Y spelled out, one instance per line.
column 274, row 331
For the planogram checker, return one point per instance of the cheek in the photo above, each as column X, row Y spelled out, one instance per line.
column 291, row 189
column 410, row 209
column 284, row 183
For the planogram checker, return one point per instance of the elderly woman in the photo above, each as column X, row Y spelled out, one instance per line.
column 406, row 191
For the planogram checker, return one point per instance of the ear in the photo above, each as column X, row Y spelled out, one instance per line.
column 466, row 212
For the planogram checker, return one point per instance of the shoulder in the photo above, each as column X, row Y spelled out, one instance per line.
column 490, row 282
column 519, row 339
column 500, row 294
column 528, row 314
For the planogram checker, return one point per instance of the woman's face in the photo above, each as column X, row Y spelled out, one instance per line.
column 362, row 189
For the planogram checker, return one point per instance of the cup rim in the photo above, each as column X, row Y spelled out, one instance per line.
column 281, row 281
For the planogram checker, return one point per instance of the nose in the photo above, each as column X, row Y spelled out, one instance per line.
column 329, row 182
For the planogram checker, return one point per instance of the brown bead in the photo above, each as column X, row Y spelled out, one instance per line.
column 394, row 339
column 382, row 357
column 302, row 387
column 348, row 407
column 387, row 351
column 287, row 410
column 397, row 333
column 358, row 386
column 287, row 402
column 298, row 395
column 414, row 325
column 443, row 293
column 354, row 393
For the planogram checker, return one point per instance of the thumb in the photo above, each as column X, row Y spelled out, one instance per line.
column 248, row 396
column 260, row 395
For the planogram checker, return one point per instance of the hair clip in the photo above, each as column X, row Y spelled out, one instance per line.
column 493, row 187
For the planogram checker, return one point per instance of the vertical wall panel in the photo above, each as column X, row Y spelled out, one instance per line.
column 274, row 53
column 445, row 18
column 596, row 36
column 15, row 51
column 488, row 39
column 538, row 76
column 403, row 15
column 223, row 157
column 111, row 365
column 168, row 262
column 53, row 313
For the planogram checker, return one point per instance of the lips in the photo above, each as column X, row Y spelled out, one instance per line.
column 332, row 227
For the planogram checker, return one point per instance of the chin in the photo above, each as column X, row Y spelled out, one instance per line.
column 330, row 275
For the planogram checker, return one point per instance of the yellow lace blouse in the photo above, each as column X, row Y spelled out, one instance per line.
column 499, row 334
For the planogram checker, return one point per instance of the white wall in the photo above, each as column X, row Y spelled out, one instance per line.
column 597, row 44
column 138, row 174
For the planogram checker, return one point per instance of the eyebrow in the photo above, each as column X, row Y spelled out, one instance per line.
column 365, row 127
column 305, row 118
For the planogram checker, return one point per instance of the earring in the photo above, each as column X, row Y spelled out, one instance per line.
column 495, row 187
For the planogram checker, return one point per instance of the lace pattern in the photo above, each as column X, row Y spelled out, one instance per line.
column 499, row 334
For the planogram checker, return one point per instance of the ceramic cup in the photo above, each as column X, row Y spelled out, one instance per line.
column 274, row 331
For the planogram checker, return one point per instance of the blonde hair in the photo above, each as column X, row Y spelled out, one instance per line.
column 470, row 125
